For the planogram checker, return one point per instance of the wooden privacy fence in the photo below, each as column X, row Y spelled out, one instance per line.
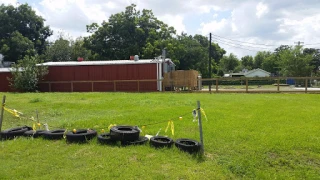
column 261, row 84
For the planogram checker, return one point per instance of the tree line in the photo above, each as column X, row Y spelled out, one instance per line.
column 134, row 32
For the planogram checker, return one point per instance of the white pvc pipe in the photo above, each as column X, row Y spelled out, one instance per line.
column 160, row 77
column 157, row 76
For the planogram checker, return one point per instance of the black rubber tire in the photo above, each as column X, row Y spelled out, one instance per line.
column 161, row 142
column 188, row 145
column 105, row 138
column 54, row 135
column 141, row 141
column 124, row 133
column 14, row 132
column 81, row 136
column 34, row 134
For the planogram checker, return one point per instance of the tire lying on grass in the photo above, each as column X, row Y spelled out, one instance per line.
column 141, row 141
column 54, row 135
column 81, row 135
column 34, row 134
column 105, row 138
column 188, row 145
column 161, row 142
column 124, row 133
column 13, row 132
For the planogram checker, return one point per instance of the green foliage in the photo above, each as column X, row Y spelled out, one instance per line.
column 60, row 50
column 127, row 33
column 295, row 63
column 229, row 63
column 26, row 74
column 260, row 58
column 247, row 62
column 246, row 136
column 140, row 33
column 22, row 32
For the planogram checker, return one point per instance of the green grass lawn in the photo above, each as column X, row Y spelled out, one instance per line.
column 247, row 136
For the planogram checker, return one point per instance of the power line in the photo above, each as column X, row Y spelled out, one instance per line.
column 242, row 44
column 238, row 47
column 245, row 42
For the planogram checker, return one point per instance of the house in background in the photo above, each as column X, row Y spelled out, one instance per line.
column 253, row 73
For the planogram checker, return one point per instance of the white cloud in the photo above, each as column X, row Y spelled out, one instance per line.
column 175, row 21
column 265, row 22
column 7, row 2
column 262, row 9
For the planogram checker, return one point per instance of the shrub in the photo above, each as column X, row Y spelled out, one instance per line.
column 26, row 74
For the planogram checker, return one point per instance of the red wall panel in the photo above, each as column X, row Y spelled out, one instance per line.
column 4, row 82
column 103, row 73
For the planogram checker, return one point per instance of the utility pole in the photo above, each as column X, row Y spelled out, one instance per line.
column 299, row 43
column 210, row 47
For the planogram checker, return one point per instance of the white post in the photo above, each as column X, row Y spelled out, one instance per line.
column 160, row 76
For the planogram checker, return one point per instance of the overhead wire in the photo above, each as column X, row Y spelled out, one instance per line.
column 235, row 44
column 238, row 47
column 245, row 42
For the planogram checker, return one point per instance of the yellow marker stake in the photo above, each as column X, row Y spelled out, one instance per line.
column 180, row 118
column 102, row 131
column 74, row 130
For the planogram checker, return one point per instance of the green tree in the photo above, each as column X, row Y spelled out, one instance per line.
column 128, row 33
column 315, row 62
column 271, row 64
column 16, row 47
column 26, row 74
column 295, row 63
column 260, row 58
column 27, row 29
column 60, row 50
column 229, row 63
column 247, row 62
column 78, row 50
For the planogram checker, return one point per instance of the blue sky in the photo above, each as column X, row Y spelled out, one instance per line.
column 252, row 25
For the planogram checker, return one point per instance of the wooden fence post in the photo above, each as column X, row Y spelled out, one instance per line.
column 217, row 85
column 306, row 85
column 138, row 86
column 246, row 85
column 200, row 129
column 278, row 82
column 2, row 109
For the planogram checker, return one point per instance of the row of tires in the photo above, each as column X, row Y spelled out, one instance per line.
column 127, row 135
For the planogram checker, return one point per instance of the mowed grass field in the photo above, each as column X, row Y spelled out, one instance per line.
column 247, row 136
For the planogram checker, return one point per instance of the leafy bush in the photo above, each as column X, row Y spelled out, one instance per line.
column 26, row 74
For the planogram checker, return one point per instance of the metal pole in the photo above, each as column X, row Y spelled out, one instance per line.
column 2, row 109
column 210, row 62
column 200, row 128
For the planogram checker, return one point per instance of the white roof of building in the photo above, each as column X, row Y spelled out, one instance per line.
column 258, row 69
column 5, row 69
column 103, row 62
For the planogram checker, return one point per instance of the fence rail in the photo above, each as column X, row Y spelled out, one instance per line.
column 213, row 85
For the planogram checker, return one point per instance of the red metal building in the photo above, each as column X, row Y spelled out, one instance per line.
column 99, row 76
column 4, row 82
column 103, row 76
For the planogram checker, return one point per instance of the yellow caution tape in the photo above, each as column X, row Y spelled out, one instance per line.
column 111, row 125
column 170, row 124
column 13, row 112
column 204, row 114
column 172, row 128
